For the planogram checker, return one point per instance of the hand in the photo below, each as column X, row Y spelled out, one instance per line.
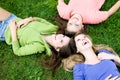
column 24, row 22
column 113, row 78
column 13, row 29
column 13, row 26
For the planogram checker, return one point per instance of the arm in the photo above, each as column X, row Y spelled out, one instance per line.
column 31, row 48
column 13, row 29
column 114, row 8
column 63, row 9
column 100, row 16
column 109, row 55
column 25, row 21
column 77, row 72
column 112, row 78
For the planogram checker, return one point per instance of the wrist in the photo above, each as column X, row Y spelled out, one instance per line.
column 116, row 58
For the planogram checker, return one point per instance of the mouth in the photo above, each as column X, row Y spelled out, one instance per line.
column 86, row 42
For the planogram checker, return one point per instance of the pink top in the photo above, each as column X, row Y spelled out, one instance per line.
column 88, row 9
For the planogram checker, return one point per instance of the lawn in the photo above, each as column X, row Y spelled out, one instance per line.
column 13, row 67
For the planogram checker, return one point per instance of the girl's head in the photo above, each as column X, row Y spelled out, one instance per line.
column 70, row 27
column 75, row 23
column 58, row 41
column 57, row 56
column 83, row 42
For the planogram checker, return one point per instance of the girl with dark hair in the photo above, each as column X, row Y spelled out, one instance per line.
column 31, row 35
column 79, row 12
column 56, row 58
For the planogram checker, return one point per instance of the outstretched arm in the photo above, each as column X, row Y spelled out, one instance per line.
column 114, row 8
column 115, row 57
column 63, row 10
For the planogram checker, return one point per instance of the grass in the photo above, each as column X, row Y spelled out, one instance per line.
column 28, row 67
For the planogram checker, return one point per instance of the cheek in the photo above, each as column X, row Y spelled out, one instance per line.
column 78, row 45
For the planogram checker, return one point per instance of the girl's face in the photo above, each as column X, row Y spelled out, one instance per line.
column 82, row 42
column 59, row 40
column 75, row 23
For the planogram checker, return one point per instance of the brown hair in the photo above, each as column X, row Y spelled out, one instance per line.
column 56, row 58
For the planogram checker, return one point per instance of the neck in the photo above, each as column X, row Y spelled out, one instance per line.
column 47, row 38
column 90, row 56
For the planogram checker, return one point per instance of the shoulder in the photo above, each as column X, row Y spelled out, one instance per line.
column 103, row 50
column 78, row 67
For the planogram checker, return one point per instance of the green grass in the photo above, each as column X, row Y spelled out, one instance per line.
column 28, row 67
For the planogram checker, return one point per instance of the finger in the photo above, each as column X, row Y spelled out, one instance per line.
column 21, row 25
column 107, row 78
column 18, row 24
column 114, row 78
column 118, row 79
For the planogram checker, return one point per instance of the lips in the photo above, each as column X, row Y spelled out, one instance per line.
column 85, row 42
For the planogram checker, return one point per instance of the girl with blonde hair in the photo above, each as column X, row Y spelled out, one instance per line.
column 92, row 61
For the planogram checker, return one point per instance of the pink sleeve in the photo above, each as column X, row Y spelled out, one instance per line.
column 99, row 17
column 63, row 10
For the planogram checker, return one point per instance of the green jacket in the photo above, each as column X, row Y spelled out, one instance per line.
column 30, row 40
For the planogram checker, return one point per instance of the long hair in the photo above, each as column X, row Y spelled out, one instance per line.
column 56, row 58
column 68, row 63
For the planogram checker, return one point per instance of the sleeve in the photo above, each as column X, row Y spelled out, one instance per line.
column 106, row 51
column 29, row 49
column 47, row 27
column 63, row 10
column 99, row 17
column 78, row 73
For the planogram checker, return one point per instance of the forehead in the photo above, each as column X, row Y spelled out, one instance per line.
column 79, row 36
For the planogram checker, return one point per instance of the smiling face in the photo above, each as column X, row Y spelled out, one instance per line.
column 59, row 40
column 75, row 23
column 82, row 42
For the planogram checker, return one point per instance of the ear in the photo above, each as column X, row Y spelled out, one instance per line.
column 57, row 49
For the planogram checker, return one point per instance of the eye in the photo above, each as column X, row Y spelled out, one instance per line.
column 69, row 23
column 78, row 39
column 61, row 41
column 76, row 24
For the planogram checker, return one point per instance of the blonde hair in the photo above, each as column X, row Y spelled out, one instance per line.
column 72, row 60
column 69, row 62
column 97, row 47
